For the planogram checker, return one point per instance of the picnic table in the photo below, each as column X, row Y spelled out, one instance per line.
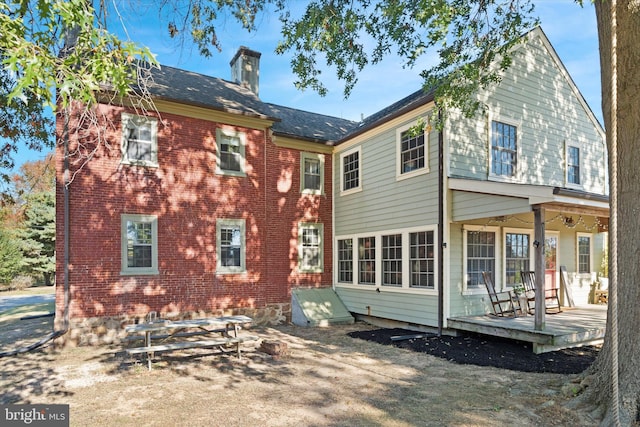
column 220, row 332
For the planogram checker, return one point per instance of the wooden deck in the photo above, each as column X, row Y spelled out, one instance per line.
column 573, row 327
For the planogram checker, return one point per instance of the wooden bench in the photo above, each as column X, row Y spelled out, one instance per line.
column 218, row 342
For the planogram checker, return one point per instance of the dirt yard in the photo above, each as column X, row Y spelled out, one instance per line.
column 328, row 379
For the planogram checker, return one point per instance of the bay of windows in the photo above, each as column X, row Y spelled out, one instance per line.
column 401, row 259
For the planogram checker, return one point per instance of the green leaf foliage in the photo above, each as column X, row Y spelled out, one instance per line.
column 471, row 39
column 59, row 50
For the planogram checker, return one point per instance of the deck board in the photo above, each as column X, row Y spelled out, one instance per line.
column 573, row 327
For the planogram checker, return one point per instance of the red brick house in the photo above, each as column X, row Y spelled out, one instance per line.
column 215, row 202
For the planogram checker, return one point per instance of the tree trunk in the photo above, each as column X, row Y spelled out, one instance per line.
column 627, row 157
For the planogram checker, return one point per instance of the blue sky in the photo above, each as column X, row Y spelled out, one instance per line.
column 571, row 29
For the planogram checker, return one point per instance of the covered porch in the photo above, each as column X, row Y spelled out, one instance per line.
column 573, row 327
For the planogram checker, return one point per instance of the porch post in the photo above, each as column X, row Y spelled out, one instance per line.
column 538, row 245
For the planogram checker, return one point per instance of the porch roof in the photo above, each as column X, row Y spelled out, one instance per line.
column 555, row 199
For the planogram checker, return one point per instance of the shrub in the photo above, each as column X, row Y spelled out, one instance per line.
column 20, row 282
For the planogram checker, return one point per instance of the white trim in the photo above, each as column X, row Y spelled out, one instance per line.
column 223, row 223
column 579, row 146
column 516, row 177
column 344, row 192
column 503, row 272
column 317, row 226
column 590, row 236
column 535, row 194
column 125, row 270
column 405, row 288
column 222, row 133
column 481, row 290
column 314, row 156
column 418, row 171
column 127, row 118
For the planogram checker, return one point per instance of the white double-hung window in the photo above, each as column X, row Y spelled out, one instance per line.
column 139, row 237
column 310, row 244
column 139, row 145
column 231, row 246
column 230, row 157
column 503, row 151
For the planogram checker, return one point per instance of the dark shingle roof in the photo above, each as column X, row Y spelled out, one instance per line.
column 197, row 89
column 416, row 99
column 205, row 91
column 211, row 92
column 310, row 126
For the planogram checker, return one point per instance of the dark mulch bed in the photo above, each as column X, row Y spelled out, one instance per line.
column 484, row 350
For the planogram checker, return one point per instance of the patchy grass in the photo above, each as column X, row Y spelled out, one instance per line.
column 18, row 313
column 34, row 290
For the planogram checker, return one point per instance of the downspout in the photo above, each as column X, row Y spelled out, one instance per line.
column 441, row 242
column 66, row 179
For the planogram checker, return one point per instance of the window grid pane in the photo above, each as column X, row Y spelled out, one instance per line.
column 312, row 174
column 230, row 156
column 412, row 152
column 584, row 254
column 392, row 260
column 139, row 140
column 345, row 260
column 421, row 260
column 503, row 149
column 230, row 247
column 351, row 174
column 517, row 257
column 480, row 256
column 573, row 165
column 310, row 248
column 139, row 244
column 367, row 260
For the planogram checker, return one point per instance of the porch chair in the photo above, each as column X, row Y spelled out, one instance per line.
column 498, row 299
column 550, row 294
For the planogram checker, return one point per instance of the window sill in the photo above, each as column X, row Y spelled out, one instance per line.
column 411, row 174
column 388, row 289
column 471, row 292
column 143, row 164
column 350, row 191
column 223, row 172
column 152, row 272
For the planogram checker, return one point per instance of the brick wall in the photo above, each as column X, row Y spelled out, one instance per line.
column 187, row 196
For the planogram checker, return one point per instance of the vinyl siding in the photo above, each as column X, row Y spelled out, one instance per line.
column 536, row 96
column 388, row 204
column 411, row 308
column 466, row 205
column 385, row 202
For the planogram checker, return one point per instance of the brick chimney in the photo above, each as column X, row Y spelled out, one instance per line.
column 245, row 68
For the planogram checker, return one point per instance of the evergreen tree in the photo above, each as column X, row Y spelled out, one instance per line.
column 39, row 235
column 10, row 257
